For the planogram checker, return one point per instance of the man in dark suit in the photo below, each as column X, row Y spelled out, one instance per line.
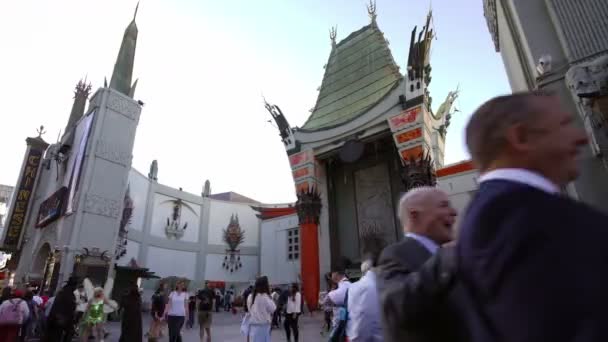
column 534, row 260
column 415, row 275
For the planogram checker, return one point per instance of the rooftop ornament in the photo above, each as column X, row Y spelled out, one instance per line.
column 371, row 10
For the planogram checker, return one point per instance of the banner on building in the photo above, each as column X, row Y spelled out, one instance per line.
column 76, row 161
column 23, row 194
column 52, row 208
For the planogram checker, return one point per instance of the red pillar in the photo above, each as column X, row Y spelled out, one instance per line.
column 309, row 210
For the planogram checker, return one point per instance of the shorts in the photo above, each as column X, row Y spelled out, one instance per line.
column 204, row 319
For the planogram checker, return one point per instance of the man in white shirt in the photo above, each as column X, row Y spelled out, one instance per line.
column 337, row 296
column 364, row 319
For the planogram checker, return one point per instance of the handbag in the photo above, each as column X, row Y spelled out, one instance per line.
column 245, row 324
column 338, row 334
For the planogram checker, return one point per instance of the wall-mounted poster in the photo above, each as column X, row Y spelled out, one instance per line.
column 52, row 208
column 81, row 140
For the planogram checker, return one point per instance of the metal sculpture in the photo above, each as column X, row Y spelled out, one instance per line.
column 174, row 228
column 123, row 232
column 308, row 206
column 284, row 129
column 418, row 171
column 233, row 237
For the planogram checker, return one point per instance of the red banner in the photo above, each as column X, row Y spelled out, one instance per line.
column 409, row 135
column 300, row 158
column 299, row 173
column 404, row 118
column 414, row 152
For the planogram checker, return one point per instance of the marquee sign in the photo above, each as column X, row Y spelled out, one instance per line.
column 52, row 208
column 23, row 194
column 408, row 136
column 299, row 173
column 300, row 158
column 405, row 118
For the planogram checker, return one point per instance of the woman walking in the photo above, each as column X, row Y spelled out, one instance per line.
column 177, row 311
column 261, row 307
column 292, row 312
column 159, row 303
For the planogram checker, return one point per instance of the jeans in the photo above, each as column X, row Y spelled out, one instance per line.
column 291, row 325
column 175, row 324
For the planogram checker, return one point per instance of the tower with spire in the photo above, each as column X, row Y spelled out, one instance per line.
column 96, row 151
column 123, row 68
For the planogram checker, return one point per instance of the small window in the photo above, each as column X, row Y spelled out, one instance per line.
column 293, row 244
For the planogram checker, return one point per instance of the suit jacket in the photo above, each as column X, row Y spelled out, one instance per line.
column 417, row 303
column 537, row 263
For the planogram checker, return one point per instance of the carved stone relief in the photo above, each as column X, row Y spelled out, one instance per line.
column 123, row 106
column 102, row 206
column 374, row 203
column 589, row 81
column 113, row 152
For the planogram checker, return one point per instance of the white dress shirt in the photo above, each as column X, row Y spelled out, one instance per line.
column 364, row 310
column 294, row 305
column 523, row 176
column 337, row 299
column 337, row 295
column 429, row 244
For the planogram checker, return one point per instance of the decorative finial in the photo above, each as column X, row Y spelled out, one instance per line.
column 105, row 82
column 371, row 10
column 136, row 8
column 333, row 32
column 40, row 131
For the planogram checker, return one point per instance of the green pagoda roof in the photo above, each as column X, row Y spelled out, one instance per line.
column 360, row 72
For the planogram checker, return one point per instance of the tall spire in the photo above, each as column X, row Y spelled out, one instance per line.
column 123, row 69
column 81, row 94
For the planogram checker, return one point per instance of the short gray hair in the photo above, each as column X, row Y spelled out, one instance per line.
column 411, row 199
column 485, row 132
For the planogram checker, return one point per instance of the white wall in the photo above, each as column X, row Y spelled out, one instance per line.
column 139, row 185
column 132, row 253
column 163, row 209
column 219, row 218
column 460, row 188
column 171, row 262
column 273, row 250
column 247, row 273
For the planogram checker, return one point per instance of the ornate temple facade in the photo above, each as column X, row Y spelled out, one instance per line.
column 79, row 208
column 371, row 136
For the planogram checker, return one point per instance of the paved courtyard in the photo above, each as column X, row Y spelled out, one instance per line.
column 226, row 328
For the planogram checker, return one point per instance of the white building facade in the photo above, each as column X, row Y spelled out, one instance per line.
column 197, row 248
column 561, row 46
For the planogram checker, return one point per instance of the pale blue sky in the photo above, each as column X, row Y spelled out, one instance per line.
column 203, row 66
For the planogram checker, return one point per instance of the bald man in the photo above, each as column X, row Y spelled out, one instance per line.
column 416, row 274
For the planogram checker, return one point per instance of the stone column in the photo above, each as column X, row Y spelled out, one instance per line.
column 309, row 210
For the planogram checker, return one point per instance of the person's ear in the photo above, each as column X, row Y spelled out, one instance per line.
column 518, row 137
column 413, row 214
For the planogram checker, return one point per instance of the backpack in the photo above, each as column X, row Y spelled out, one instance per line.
column 206, row 298
column 11, row 314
